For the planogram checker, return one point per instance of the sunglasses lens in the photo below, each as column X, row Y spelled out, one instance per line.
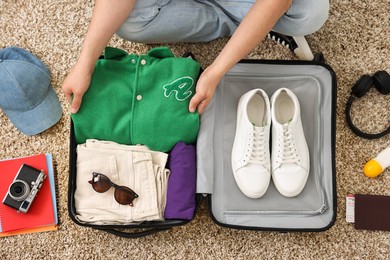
column 124, row 195
column 101, row 183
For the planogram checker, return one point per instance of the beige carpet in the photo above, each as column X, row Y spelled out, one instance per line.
column 355, row 40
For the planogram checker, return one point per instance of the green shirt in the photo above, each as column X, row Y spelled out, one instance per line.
column 140, row 100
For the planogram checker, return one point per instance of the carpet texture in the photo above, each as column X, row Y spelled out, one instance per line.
column 355, row 41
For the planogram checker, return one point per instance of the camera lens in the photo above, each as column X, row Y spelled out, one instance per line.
column 19, row 190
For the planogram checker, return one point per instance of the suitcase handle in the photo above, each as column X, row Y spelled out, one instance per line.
column 133, row 234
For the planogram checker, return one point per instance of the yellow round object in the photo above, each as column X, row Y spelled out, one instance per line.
column 372, row 169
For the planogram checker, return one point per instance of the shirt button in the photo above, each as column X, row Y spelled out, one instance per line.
column 139, row 97
column 143, row 62
column 133, row 60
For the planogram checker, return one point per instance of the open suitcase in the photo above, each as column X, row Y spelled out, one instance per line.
column 314, row 83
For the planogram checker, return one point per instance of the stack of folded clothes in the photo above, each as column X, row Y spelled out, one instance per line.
column 134, row 113
column 133, row 166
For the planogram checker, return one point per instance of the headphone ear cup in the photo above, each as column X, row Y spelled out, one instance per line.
column 362, row 86
column 382, row 82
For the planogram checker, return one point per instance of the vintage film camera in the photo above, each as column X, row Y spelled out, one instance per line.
column 22, row 191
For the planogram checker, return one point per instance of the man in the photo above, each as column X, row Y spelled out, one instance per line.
column 161, row 21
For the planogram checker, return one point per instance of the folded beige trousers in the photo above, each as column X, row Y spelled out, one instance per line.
column 133, row 166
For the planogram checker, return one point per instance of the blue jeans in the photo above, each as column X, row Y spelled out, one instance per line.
column 165, row 21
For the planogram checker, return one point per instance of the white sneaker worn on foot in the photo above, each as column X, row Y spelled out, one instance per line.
column 250, row 153
column 296, row 44
column 290, row 154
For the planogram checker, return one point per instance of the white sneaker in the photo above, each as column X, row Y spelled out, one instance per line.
column 296, row 44
column 290, row 154
column 250, row 153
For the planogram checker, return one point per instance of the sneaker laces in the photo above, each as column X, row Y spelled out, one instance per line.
column 258, row 153
column 289, row 154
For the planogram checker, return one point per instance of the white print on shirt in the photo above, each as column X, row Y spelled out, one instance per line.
column 181, row 87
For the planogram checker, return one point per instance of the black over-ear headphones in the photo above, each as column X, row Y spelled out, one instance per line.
column 381, row 81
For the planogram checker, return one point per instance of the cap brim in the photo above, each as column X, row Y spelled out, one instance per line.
column 40, row 118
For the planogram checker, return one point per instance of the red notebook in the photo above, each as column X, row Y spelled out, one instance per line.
column 41, row 212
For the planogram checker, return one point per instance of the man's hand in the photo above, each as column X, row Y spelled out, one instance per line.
column 262, row 16
column 205, row 88
column 76, row 84
column 106, row 19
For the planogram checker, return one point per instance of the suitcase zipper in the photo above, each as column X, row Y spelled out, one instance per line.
column 319, row 211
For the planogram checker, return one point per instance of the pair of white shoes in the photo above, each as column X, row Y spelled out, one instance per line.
column 251, row 161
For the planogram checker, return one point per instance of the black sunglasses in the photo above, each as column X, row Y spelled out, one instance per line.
column 123, row 195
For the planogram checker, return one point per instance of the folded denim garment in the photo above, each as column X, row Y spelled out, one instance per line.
column 181, row 201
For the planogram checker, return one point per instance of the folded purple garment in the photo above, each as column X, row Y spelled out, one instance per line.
column 182, row 182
